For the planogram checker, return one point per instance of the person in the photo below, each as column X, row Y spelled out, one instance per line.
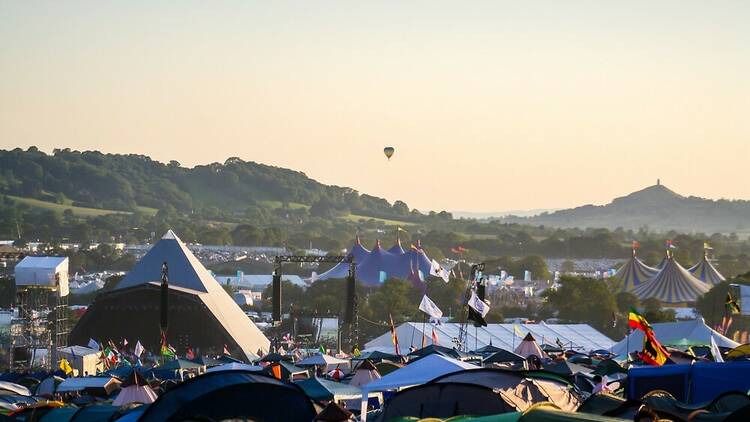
column 600, row 385
column 645, row 414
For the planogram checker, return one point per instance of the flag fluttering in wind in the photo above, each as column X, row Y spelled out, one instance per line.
column 401, row 229
column 93, row 344
column 517, row 331
column 189, row 354
column 653, row 352
column 435, row 339
column 637, row 321
column 166, row 349
column 715, row 351
column 394, row 336
column 732, row 306
column 322, row 349
column 65, row 366
column 635, row 245
column 124, row 343
column 438, row 271
column 671, row 245
column 430, row 308
column 478, row 305
column 226, row 351
column 138, row 350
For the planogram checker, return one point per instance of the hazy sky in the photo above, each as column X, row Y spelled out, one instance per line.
column 490, row 105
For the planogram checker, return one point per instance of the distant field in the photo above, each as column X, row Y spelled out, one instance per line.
column 78, row 211
column 278, row 204
column 355, row 218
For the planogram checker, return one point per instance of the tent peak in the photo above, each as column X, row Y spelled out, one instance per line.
column 170, row 235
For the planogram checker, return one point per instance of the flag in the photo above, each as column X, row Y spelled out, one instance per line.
column 65, row 366
column 430, row 308
column 517, row 330
column 138, row 350
column 636, row 320
column 226, row 351
column 124, row 343
column 438, row 271
column 478, row 305
column 322, row 349
column 394, row 336
column 355, row 352
column 726, row 321
column 653, row 352
column 401, row 229
column 636, row 245
column 715, row 351
column 313, row 277
column 671, row 245
column 167, row 351
column 424, row 340
column 732, row 306
column 435, row 339
column 189, row 354
column 707, row 247
column 93, row 344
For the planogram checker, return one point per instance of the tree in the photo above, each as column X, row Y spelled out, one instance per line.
column 626, row 301
column 712, row 305
column 583, row 300
column 653, row 312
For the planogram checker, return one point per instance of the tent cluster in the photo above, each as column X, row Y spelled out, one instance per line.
column 669, row 282
column 376, row 265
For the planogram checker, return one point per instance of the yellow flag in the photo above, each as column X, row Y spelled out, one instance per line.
column 401, row 229
column 517, row 330
column 65, row 366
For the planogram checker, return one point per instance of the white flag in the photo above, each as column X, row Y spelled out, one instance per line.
column 478, row 305
column 93, row 344
column 428, row 306
column 438, row 271
column 715, row 351
column 138, row 350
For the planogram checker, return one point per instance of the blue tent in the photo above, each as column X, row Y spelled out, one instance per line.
column 379, row 261
column 397, row 249
column 341, row 270
column 697, row 383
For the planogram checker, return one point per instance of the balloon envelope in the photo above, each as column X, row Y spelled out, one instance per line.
column 388, row 151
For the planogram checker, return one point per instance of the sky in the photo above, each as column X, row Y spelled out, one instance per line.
column 490, row 105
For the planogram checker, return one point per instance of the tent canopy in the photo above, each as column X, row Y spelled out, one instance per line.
column 419, row 372
column 322, row 360
column 634, row 273
column 674, row 333
column 706, row 272
column 673, row 284
column 320, row 389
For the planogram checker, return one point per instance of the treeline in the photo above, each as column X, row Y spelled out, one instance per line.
column 125, row 182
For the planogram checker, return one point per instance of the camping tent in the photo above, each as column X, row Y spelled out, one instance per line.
column 320, row 389
column 232, row 395
column 674, row 333
column 365, row 373
column 328, row 361
column 529, row 347
column 135, row 389
column 95, row 386
column 419, row 372
column 673, row 284
column 235, row 366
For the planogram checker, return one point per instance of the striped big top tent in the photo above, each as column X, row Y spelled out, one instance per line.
column 673, row 284
column 634, row 273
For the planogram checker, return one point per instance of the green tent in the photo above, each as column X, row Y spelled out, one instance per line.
column 319, row 389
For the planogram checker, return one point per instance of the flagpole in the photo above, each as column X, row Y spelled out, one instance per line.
column 627, row 347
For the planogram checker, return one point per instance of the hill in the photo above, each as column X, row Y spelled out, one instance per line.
column 657, row 208
column 90, row 180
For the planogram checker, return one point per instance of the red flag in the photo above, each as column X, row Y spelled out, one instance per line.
column 226, row 350
column 189, row 354
column 394, row 336
column 435, row 339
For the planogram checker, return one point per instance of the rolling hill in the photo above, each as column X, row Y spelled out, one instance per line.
column 657, row 208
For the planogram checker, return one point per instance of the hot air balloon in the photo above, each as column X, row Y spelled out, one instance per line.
column 388, row 151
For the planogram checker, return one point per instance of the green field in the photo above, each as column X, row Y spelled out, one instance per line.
column 355, row 218
column 78, row 211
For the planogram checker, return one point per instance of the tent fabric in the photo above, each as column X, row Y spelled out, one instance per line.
column 185, row 271
column 549, row 414
column 341, row 270
column 396, row 249
column 377, row 356
column 48, row 386
column 519, row 389
column 633, row 273
column 234, row 366
column 673, row 333
column 15, row 388
column 581, row 337
column 322, row 360
column 706, row 272
column 176, row 364
column 365, row 373
column 289, row 371
column 135, row 394
column 445, row 400
column 504, row 356
column 529, row 347
column 333, row 412
column 419, row 372
column 320, row 389
column 101, row 384
column 232, row 395
column 673, row 284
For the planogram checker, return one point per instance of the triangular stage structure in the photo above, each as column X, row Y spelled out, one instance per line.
column 201, row 313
